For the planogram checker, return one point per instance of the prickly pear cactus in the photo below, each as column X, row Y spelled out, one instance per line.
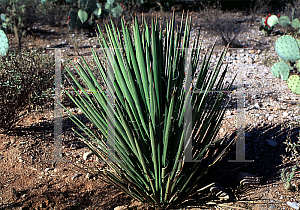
column 297, row 65
column 73, row 22
column 295, row 23
column 113, row 8
column 91, row 5
column 83, row 15
column 294, row 83
column 97, row 12
column 4, row 46
column 284, row 21
column 272, row 20
column 281, row 70
column 287, row 48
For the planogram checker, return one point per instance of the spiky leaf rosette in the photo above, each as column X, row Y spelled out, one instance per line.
column 143, row 114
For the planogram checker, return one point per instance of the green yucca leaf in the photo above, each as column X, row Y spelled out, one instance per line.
column 142, row 113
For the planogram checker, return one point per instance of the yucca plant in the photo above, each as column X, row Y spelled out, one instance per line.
column 150, row 109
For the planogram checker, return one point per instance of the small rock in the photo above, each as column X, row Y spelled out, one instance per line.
column 48, row 46
column 270, row 118
column 47, row 169
column 272, row 143
column 76, row 175
column 285, row 114
column 73, row 146
column 87, row 155
column 120, row 208
column 1, row 157
column 219, row 192
column 294, row 205
column 247, row 179
column 76, row 155
column 250, row 60
column 43, row 205
column 256, row 106
column 88, row 176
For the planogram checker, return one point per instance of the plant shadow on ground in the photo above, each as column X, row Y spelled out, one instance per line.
column 267, row 160
column 71, row 197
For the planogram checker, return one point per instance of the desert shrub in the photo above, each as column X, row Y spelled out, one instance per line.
column 292, row 8
column 287, row 174
column 221, row 24
column 26, row 79
column 258, row 7
column 18, row 15
column 54, row 14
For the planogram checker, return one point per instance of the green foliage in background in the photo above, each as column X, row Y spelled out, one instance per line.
column 17, row 16
column 26, row 82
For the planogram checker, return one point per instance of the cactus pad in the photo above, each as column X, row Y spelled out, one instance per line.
column 117, row 11
column 284, row 21
column 83, row 15
column 297, row 65
column 272, row 20
column 287, row 48
column 298, row 41
column 294, row 83
column 4, row 46
column 282, row 70
column 97, row 12
column 2, row 16
column 73, row 23
column 295, row 23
